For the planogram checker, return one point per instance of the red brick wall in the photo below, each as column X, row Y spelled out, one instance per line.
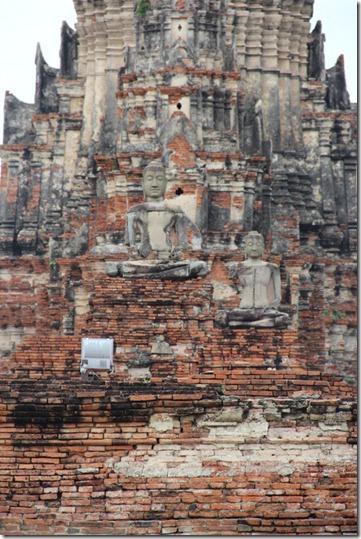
column 220, row 437
column 86, row 459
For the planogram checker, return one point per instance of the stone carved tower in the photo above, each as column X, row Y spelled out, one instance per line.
column 226, row 83
column 254, row 134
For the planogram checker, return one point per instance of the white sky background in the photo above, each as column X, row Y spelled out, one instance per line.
column 24, row 23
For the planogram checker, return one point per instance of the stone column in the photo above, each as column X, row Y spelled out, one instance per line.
column 350, row 171
column 266, row 206
column 242, row 15
column 208, row 115
column 340, row 191
column 270, row 77
column 328, row 196
column 350, row 178
column 114, row 61
column 100, row 63
column 295, row 42
column 331, row 235
column 285, row 221
column 305, row 8
column 87, row 68
column 253, row 83
column 295, row 191
column 285, row 88
column 8, row 197
column 249, row 191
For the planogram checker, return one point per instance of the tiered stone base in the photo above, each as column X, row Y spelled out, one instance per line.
column 200, row 430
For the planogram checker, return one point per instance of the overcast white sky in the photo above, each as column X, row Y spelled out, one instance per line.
column 24, row 23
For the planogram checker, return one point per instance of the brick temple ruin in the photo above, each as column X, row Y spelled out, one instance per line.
column 201, row 428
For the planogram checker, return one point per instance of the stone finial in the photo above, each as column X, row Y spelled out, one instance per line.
column 337, row 96
column 68, row 52
column 316, row 55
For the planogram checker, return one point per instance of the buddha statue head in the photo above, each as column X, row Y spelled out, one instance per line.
column 154, row 182
column 254, row 245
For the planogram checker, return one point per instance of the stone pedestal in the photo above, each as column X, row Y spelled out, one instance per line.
column 157, row 269
column 266, row 318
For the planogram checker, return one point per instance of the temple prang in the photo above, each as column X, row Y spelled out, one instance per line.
column 227, row 282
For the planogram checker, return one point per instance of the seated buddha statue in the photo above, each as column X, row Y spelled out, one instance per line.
column 260, row 289
column 157, row 234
